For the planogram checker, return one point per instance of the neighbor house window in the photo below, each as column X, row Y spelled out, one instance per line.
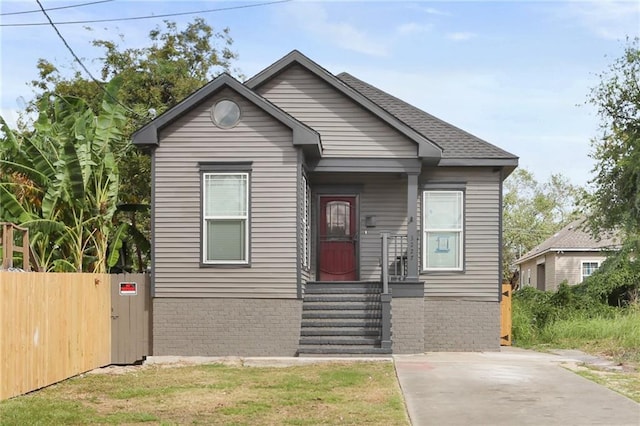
column 442, row 231
column 588, row 268
column 225, row 218
column 306, row 223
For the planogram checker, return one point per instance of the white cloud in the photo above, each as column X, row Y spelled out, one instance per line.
column 461, row 36
column 412, row 28
column 612, row 20
column 434, row 11
column 313, row 17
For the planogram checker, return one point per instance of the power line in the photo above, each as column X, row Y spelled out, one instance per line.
column 137, row 18
column 95, row 80
column 24, row 12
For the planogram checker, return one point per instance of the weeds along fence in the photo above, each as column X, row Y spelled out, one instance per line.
column 52, row 326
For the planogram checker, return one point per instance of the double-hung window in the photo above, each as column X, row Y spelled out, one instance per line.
column 442, row 231
column 225, row 217
column 588, row 268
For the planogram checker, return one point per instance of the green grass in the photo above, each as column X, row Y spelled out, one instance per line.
column 348, row 393
column 615, row 334
column 617, row 337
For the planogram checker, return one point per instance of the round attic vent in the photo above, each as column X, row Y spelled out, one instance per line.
column 225, row 114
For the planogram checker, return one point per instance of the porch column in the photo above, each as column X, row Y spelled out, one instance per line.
column 412, row 226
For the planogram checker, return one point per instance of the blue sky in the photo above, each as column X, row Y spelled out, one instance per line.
column 515, row 73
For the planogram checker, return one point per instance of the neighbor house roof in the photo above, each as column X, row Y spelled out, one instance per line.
column 571, row 238
column 455, row 142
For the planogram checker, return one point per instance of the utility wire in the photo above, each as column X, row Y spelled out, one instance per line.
column 137, row 18
column 24, row 12
column 95, row 80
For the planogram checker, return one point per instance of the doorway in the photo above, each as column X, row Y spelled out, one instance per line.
column 338, row 238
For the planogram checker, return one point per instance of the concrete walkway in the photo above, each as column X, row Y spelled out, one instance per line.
column 511, row 387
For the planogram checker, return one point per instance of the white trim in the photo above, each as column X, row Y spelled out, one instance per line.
column 244, row 217
column 426, row 231
column 582, row 263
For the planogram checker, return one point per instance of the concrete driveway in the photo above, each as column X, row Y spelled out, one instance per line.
column 511, row 387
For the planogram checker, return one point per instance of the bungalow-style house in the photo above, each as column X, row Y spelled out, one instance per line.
column 570, row 255
column 302, row 212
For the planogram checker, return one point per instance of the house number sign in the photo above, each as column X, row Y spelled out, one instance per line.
column 128, row 289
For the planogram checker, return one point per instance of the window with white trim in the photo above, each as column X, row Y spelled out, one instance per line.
column 306, row 223
column 225, row 215
column 588, row 268
column 442, row 230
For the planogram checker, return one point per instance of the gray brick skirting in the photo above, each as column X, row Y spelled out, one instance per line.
column 221, row 327
column 407, row 325
column 455, row 325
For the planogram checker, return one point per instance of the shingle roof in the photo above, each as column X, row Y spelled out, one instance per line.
column 573, row 237
column 455, row 142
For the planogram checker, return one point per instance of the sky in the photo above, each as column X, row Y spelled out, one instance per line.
column 514, row 73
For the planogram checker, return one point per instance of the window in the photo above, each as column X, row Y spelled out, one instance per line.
column 442, row 234
column 225, row 114
column 306, row 223
column 589, row 268
column 225, row 218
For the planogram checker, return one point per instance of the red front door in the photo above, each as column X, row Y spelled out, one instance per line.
column 338, row 239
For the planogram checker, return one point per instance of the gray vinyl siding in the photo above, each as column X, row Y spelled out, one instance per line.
column 347, row 129
column 481, row 276
column 193, row 139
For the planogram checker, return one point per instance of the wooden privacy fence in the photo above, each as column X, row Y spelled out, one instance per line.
column 505, row 315
column 52, row 326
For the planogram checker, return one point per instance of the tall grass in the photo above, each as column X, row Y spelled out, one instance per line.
column 615, row 332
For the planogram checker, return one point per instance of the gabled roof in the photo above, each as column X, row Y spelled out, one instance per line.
column 455, row 142
column 427, row 148
column 573, row 237
column 303, row 135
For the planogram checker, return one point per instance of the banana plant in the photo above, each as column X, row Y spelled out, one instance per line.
column 61, row 181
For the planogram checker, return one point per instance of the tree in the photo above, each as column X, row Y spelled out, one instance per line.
column 532, row 212
column 154, row 78
column 61, row 181
column 615, row 203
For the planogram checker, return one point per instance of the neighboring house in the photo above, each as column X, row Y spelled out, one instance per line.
column 571, row 255
column 270, row 199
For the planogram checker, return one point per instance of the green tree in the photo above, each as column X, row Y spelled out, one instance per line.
column 534, row 211
column 175, row 63
column 61, row 181
column 615, row 203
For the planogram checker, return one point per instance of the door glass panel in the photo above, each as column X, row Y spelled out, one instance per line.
column 338, row 219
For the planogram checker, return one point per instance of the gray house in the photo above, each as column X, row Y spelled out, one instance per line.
column 304, row 212
column 570, row 255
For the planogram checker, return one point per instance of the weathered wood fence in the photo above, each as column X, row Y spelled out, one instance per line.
column 52, row 326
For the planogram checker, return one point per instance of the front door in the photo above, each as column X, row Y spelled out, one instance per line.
column 338, row 239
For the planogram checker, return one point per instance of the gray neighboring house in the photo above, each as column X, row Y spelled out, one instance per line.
column 571, row 254
column 305, row 213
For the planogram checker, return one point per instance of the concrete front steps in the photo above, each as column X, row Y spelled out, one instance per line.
column 341, row 319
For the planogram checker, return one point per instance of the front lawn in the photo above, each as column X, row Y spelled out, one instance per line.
column 330, row 393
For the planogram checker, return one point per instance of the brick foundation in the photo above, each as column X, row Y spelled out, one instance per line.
column 407, row 325
column 455, row 325
column 221, row 327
